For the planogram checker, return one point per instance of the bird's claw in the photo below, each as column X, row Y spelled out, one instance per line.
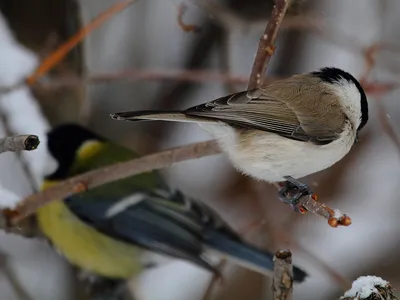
column 292, row 191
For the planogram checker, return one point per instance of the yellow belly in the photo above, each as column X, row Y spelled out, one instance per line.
column 84, row 246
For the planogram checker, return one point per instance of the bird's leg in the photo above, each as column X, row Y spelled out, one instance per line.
column 291, row 191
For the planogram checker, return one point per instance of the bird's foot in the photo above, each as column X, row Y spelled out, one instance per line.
column 292, row 191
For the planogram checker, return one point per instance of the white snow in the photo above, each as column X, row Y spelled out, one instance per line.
column 364, row 286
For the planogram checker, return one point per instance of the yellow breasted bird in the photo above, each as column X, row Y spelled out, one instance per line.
column 103, row 230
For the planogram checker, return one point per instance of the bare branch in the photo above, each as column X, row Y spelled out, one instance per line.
column 266, row 46
column 135, row 75
column 18, row 143
column 282, row 284
column 112, row 173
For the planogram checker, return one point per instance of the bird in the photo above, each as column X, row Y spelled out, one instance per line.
column 105, row 230
column 283, row 131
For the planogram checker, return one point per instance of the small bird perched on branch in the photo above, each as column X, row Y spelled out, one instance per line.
column 284, row 131
column 103, row 230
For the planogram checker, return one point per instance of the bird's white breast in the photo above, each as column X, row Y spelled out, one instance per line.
column 270, row 157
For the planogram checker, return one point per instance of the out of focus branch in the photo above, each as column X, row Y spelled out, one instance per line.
column 112, row 173
column 282, row 284
column 370, row 288
column 266, row 46
column 18, row 143
column 54, row 58
column 174, row 75
column 135, row 75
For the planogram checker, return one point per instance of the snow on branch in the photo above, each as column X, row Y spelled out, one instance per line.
column 18, row 143
column 370, row 288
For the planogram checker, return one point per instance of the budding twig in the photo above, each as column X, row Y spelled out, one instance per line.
column 18, row 143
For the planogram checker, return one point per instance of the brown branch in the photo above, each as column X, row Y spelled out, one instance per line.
column 112, row 173
column 282, row 283
column 18, row 143
column 266, row 46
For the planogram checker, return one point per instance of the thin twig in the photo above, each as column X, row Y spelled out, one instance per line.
column 66, row 47
column 135, row 75
column 18, row 143
column 266, row 46
column 310, row 203
column 282, row 282
column 112, row 173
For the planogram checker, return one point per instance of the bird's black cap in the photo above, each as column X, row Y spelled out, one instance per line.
column 63, row 141
column 335, row 75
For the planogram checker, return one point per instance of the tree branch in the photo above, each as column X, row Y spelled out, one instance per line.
column 112, row 173
column 282, row 284
column 266, row 45
column 18, row 143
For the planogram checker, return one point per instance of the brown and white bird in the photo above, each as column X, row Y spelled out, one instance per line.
column 283, row 131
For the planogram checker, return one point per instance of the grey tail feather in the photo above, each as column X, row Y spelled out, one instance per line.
column 246, row 255
column 143, row 115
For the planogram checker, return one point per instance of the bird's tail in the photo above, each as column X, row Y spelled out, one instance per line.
column 144, row 115
column 245, row 255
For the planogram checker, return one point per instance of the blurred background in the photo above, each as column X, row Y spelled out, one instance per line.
column 139, row 60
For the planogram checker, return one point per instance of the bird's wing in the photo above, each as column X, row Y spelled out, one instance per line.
column 267, row 112
column 147, row 219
